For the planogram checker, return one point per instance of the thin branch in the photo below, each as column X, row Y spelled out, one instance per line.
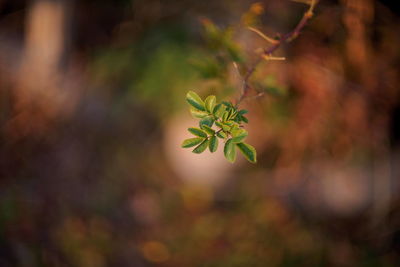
column 267, row 52
column 262, row 35
column 269, row 57
column 237, row 68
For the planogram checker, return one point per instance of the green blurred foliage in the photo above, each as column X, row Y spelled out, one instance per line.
column 154, row 71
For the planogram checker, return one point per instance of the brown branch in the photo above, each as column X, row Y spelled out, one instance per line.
column 288, row 37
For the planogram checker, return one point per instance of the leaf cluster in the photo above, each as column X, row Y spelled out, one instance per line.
column 218, row 121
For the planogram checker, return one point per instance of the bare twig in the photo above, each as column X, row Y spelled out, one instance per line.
column 262, row 35
column 267, row 52
column 269, row 57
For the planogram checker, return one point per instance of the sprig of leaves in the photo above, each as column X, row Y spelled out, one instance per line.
column 225, row 117
column 218, row 121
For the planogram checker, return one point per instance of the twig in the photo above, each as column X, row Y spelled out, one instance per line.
column 267, row 52
column 262, row 35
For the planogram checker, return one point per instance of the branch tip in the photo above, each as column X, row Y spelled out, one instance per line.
column 262, row 35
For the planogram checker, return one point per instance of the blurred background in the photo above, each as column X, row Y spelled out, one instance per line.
column 93, row 112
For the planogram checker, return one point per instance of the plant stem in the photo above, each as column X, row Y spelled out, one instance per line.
column 288, row 37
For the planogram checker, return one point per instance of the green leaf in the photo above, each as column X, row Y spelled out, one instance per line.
column 225, row 115
column 210, row 103
column 248, row 152
column 198, row 113
column 232, row 112
column 236, row 130
column 229, row 114
column 213, row 143
column 222, row 135
column 218, row 110
column 244, row 119
column 230, row 151
column 198, row 132
column 239, row 135
column 200, row 148
column 209, row 121
column 227, row 104
column 232, row 115
column 231, row 124
column 191, row 142
column 208, row 129
column 194, row 99
column 234, row 126
column 223, row 126
column 243, row 111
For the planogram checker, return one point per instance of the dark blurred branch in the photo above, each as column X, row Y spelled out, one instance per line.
column 267, row 52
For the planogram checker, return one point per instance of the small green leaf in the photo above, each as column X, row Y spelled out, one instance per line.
column 210, row 103
column 218, row 110
column 229, row 114
column 198, row 132
column 209, row 121
column 248, row 152
column 242, row 112
column 239, row 135
column 200, row 148
column 222, row 135
column 198, row 113
column 219, row 124
column 223, row 126
column 234, row 126
column 244, row 119
column 236, row 130
column 232, row 114
column 192, row 142
column 208, row 129
column 194, row 99
column 228, row 104
column 225, row 115
column 230, row 151
column 213, row 144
